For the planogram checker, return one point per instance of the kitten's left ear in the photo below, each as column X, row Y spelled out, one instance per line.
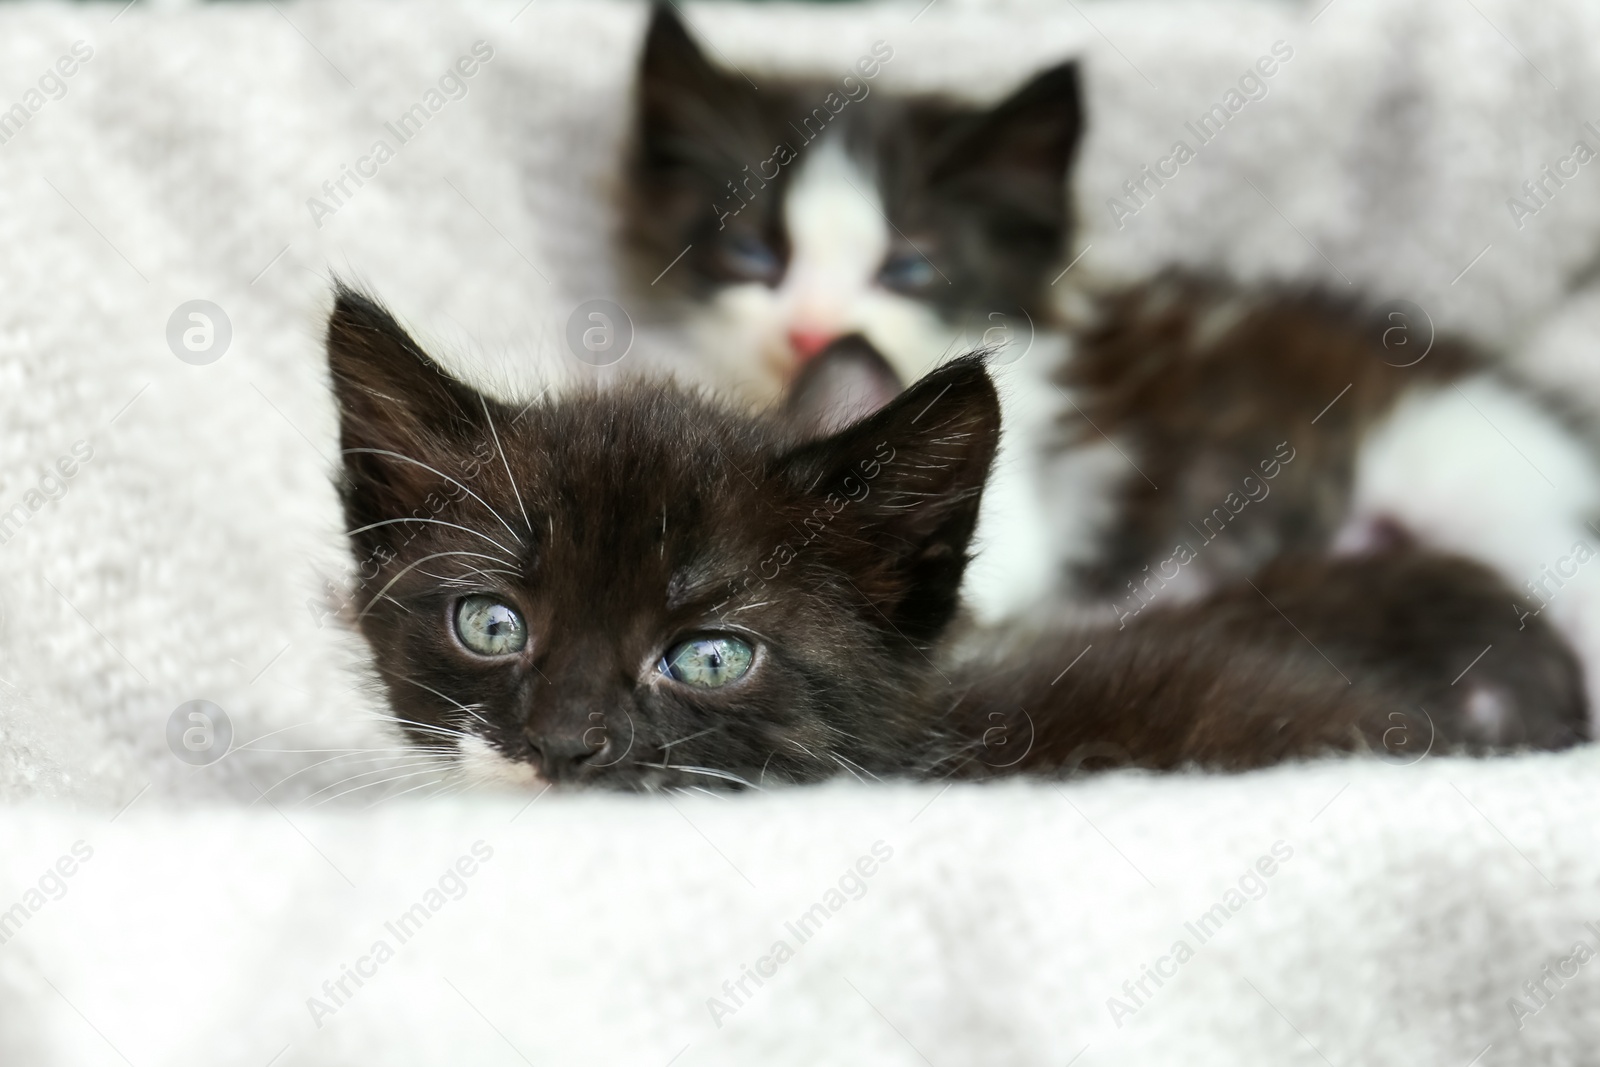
column 911, row 478
column 398, row 410
column 1022, row 148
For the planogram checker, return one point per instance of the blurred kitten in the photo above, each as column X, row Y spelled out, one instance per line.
column 1139, row 435
column 807, row 210
column 804, row 211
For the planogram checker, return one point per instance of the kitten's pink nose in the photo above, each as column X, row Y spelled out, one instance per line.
column 808, row 342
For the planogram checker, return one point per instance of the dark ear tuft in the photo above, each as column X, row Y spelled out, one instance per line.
column 670, row 52
column 392, row 399
column 911, row 477
column 1022, row 149
column 682, row 96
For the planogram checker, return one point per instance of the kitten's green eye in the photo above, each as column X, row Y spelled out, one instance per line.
column 708, row 662
column 489, row 627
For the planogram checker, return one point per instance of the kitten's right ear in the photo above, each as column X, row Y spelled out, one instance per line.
column 397, row 408
column 911, row 477
column 1021, row 150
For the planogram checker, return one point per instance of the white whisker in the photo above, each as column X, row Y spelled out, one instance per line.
column 401, row 758
column 403, row 792
column 437, row 522
column 847, row 767
column 844, row 760
column 707, row 771
column 511, row 477
column 446, row 477
column 475, row 711
column 371, row 785
column 479, row 572
column 404, row 749
column 454, row 787
column 691, row 737
column 427, row 727
column 442, row 696
column 408, row 568
column 323, row 722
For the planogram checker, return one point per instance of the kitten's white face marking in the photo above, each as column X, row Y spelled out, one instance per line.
column 481, row 764
column 838, row 238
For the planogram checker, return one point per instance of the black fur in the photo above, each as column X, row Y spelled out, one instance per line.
column 618, row 523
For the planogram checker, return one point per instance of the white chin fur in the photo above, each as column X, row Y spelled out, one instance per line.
column 1481, row 469
column 482, row 765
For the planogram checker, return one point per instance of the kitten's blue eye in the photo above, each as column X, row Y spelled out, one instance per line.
column 708, row 662
column 749, row 258
column 907, row 272
column 489, row 627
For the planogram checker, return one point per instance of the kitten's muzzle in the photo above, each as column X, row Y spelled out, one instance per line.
column 562, row 755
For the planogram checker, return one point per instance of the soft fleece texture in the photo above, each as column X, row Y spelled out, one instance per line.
column 187, row 557
column 1415, row 902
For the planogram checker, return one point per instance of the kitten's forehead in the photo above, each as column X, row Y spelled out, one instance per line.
column 638, row 430
column 644, row 468
column 643, row 513
column 834, row 215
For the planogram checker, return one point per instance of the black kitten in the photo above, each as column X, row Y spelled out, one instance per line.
column 642, row 589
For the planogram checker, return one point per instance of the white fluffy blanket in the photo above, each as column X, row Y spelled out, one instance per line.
column 1403, row 908
column 186, row 559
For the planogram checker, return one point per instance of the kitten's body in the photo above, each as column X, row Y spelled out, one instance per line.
column 1375, row 653
column 1132, row 425
column 620, row 527
column 1206, row 386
